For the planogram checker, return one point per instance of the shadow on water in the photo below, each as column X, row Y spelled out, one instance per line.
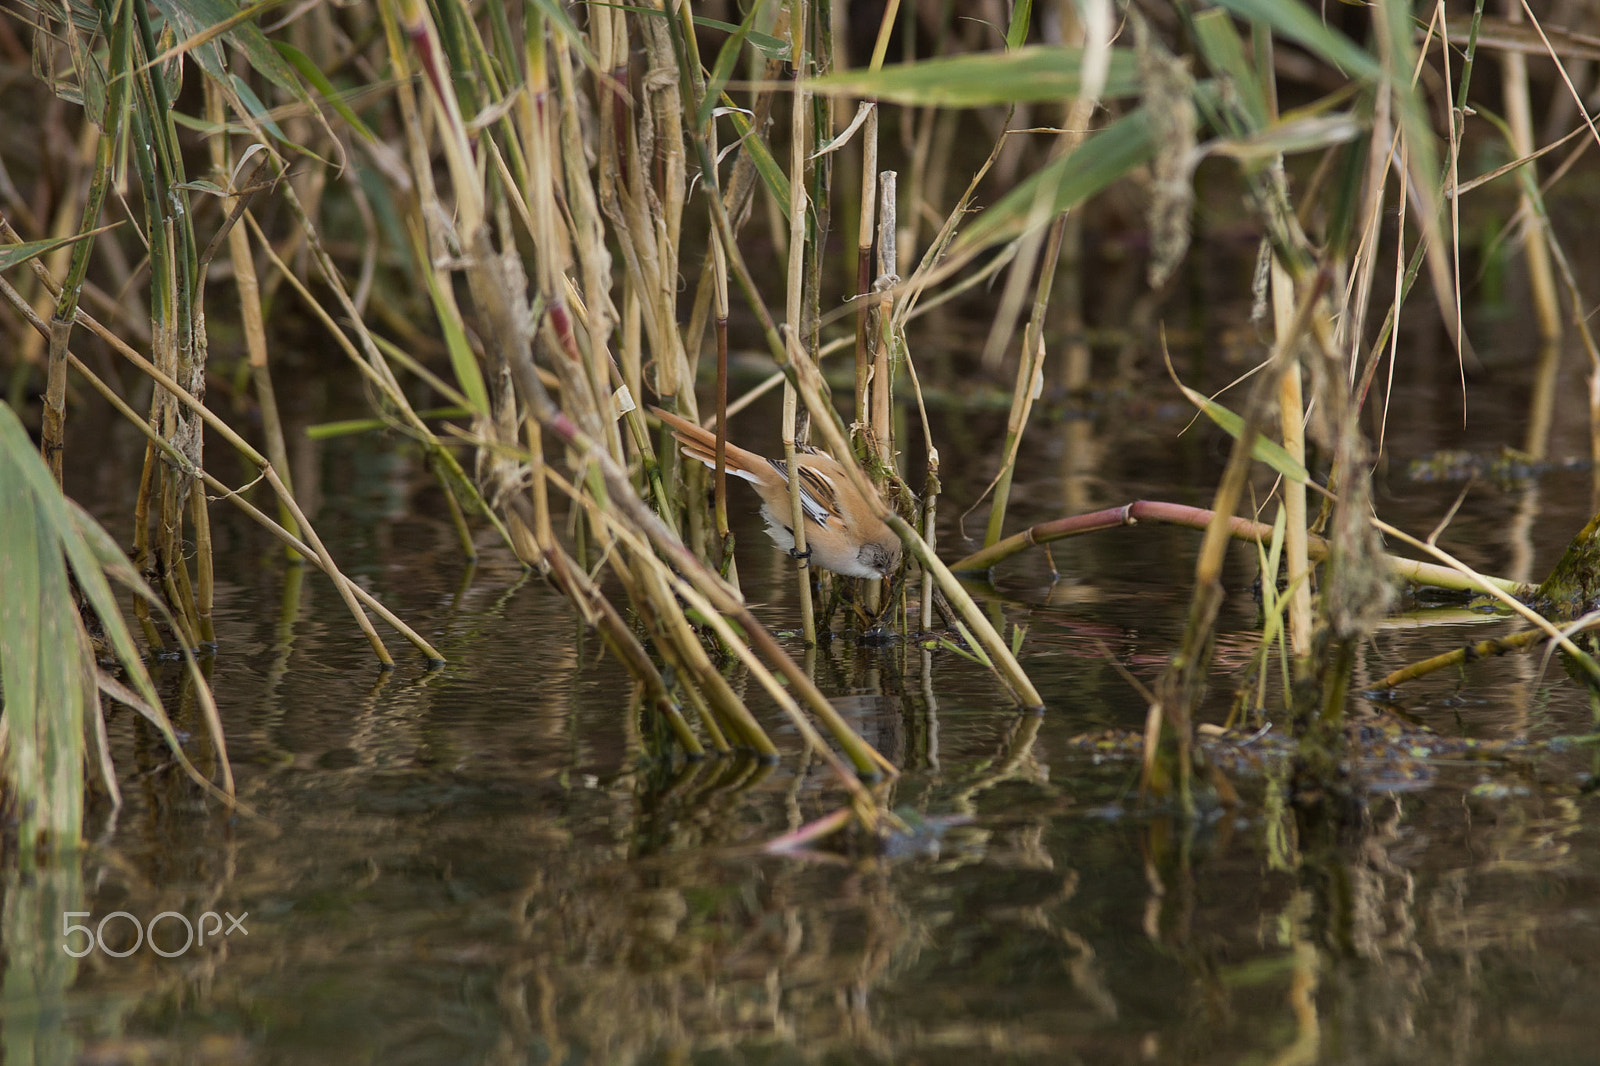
column 480, row 863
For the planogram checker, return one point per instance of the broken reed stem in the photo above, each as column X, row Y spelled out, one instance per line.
column 1459, row 657
column 882, row 307
column 881, row 432
column 864, row 228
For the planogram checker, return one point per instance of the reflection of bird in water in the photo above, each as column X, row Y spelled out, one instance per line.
column 843, row 534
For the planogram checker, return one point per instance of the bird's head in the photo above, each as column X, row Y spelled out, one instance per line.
column 880, row 556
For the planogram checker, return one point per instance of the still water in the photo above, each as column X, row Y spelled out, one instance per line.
column 478, row 864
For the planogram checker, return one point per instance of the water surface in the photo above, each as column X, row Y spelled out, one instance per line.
column 481, row 863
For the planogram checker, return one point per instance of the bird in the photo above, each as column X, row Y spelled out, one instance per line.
column 843, row 533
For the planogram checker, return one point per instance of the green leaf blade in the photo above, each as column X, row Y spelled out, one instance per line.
column 1034, row 74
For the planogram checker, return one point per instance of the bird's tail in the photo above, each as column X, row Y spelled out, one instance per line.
column 701, row 444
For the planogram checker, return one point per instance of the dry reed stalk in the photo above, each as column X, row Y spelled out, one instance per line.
column 374, row 369
column 1291, row 420
column 171, row 453
column 1029, row 383
column 587, row 373
column 249, row 289
column 645, row 216
column 863, row 291
column 1178, row 691
column 1096, row 31
column 574, row 334
column 52, row 429
column 1381, row 144
column 1519, row 119
column 883, row 340
column 1291, row 403
column 632, row 516
column 885, row 345
column 800, row 145
column 808, row 381
column 1131, row 514
column 1580, row 323
column 737, row 196
column 720, row 475
column 714, row 616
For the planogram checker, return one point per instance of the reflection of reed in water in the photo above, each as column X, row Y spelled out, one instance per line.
column 675, row 954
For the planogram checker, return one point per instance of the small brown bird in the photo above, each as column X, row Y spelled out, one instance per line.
column 842, row 532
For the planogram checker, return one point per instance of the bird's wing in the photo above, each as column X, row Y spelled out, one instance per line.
column 818, row 498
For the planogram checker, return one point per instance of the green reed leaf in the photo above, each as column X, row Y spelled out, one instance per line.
column 1302, row 25
column 16, row 254
column 1263, row 448
column 1064, row 183
column 1035, row 74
